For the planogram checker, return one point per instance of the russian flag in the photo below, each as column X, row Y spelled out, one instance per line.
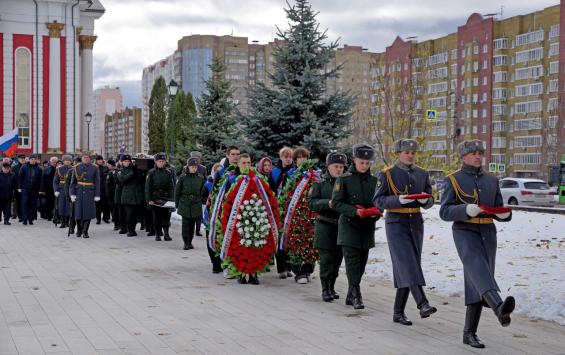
column 9, row 142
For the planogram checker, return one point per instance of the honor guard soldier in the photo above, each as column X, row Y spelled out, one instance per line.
column 128, row 195
column 468, row 195
column 326, row 228
column 159, row 188
column 404, row 225
column 351, row 196
column 67, row 189
column 85, row 192
column 63, row 203
column 189, row 195
column 111, row 193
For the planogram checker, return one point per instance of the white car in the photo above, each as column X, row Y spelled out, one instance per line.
column 522, row 191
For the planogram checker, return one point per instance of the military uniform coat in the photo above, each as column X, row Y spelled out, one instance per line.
column 190, row 194
column 475, row 243
column 326, row 228
column 111, row 187
column 85, row 185
column 159, row 185
column 128, row 186
column 63, row 203
column 354, row 188
column 404, row 231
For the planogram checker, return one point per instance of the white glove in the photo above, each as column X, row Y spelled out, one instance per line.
column 73, row 198
column 423, row 201
column 96, row 198
column 503, row 215
column 403, row 200
column 473, row 210
column 57, row 193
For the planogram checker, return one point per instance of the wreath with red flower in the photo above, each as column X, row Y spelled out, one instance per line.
column 240, row 257
column 299, row 234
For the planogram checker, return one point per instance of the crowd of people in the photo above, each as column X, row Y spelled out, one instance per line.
column 288, row 214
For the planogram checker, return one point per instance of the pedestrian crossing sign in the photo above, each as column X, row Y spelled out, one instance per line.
column 502, row 168
column 431, row 115
column 492, row 167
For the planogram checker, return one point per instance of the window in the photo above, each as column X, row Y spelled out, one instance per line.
column 527, row 124
column 499, row 93
column 438, row 73
column 554, row 31
column 553, row 68
column 552, row 104
column 438, row 58
column 529, row 72
column 535, row 185
column 530, row 37
column 498, row 142
column 527, row 141
column 500, row 43
column 509, row 184
column 498, row 126
column 530, row 54
column 498, row 110
column 22, row 80
column 437, row 102
column 438, row 87
column 485, row 64
column 453, row 54
column 553, row 49
column 475, row 49
column 499, row 76
column 454, row 69
column 527, row 158
column 527, row 107
column 553, row 85
column 526, row 90
column 485, row 48
column 499, row 60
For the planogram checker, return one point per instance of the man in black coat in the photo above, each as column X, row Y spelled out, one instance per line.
column 30, row 185
column 8, row 186
column 102, row 210
column 17, row 210
column 48, row 198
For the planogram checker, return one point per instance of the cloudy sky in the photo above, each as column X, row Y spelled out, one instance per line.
column 134, row 33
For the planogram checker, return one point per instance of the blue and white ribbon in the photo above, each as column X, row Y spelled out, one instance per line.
column 214, row 216
column 270, row 214
column 233, row 217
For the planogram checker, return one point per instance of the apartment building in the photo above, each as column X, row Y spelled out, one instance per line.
column 123, row 132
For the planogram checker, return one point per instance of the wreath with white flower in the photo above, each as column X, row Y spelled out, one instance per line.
column 253, row 224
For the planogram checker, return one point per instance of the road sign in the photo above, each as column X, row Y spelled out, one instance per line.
column 502, row 168
column 431, row 115
column 492, row 167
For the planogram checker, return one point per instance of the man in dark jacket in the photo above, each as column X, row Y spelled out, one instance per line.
column 8, row 190
column 204, row 173
column 30, row 185
column 17, row 210
column 48, row 198
column 110, row 189
column 127, row 181
column 159, row 188
column 102, row 211
column 326, row 227
column 63, row 202
column 85, row 192
column 189, row 194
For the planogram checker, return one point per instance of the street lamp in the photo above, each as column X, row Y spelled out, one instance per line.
column 88, row 118
column 173, row 88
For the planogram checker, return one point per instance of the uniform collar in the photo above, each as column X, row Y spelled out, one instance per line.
column 471, row 169
column 403, row 166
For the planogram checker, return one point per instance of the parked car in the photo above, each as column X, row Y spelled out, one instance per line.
column 522, row 191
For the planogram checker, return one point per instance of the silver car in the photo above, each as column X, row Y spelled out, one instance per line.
column 522, row 191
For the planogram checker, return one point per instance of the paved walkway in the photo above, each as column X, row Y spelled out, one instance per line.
column 113, row 295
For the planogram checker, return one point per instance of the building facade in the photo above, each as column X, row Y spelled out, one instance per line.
column 122, row 132
column 46, row 72
column 500, row 81
column 107, row 101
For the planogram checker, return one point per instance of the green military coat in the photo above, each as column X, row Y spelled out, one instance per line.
column 351, row 189
column 159, row 185
column 326, row 228
column 189, row 195
column 128, row 183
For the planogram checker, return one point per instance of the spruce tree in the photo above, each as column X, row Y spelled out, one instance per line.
column 215, row 123
column 183, row 111
column 298, row 110
column 157, row 116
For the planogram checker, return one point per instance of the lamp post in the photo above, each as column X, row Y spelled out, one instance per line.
column 173, row 88
column 88, row 118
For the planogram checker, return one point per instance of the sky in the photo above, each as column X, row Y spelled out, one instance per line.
column 133, row 34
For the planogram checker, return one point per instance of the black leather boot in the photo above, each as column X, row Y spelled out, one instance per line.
column 399, row 306
column 253, row 279
column 502, row 309
column 190, row 238
column 472, row 317
column 167, row 238
column 326, row 293
column 85, row 226
column 79, row 228
column 185, row 240
column 422, row 302
column 349, row 297
column 332, row 290
column 357, row 298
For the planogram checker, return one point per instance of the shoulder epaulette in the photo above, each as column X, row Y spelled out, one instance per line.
column 387, row 168
column 453, row 173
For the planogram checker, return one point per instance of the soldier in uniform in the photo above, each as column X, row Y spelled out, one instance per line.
column 102, row 211
column 204, row 173
column 466, row 192
column 189, row 195
column 160, row 185
column 129, row 199
column 121, row 211
column 63, row 204
column 352, row 194
column 405, row 226
column 67, row 190
column 18, row 203
column 326, row 228
column 111, row 192
column 30, row 185
column 85, row 192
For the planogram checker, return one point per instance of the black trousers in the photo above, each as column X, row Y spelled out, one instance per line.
column 102, row 210
column 149, row 223
column 283, row 264
column 355, row 262
column 122, row 217
column 302, row 270
column 188, row 229
column 19, row 212
column 5, row 209
column 29, row 204
column 131, row 217
column 330, row 261
column 161, row 220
